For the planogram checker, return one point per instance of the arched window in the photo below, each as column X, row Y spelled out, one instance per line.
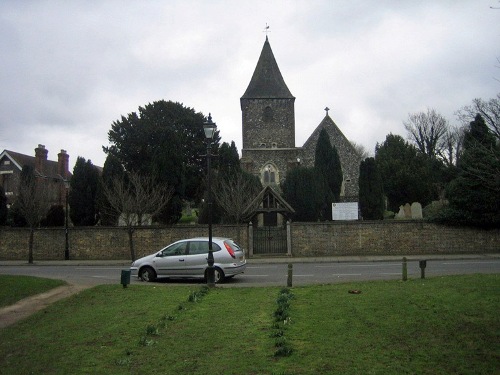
column 269, row 175
column 268, row 114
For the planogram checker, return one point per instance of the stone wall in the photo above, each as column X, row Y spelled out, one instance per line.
column 308, row 239
column 103, row 243
column 389, row 238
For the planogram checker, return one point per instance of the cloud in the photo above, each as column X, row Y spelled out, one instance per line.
column 69, row 69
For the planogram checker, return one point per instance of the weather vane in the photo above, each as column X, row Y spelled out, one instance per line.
column 266, row 30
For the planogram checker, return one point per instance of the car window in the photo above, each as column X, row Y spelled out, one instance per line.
column 175, row 249
column 234, row 245
column 201, row 247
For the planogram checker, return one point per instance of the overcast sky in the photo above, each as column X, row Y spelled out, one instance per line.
column 68, row 69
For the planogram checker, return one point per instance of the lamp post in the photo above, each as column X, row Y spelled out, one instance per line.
column 66, row 245
column 210, row 127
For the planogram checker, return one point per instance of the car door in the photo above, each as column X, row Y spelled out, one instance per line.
column 171, row 261
column 198, row 256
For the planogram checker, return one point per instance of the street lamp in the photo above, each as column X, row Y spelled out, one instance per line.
column 66, row 246
column 209, row 128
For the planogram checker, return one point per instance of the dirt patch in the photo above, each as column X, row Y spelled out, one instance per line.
column 24, row 308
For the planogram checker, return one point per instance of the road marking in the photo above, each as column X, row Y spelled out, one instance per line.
column 256, row 275
column 346, row 274
column 302, row 275
column 390, row 273
column 455, row 263
column 337, row 265
column 100, row 268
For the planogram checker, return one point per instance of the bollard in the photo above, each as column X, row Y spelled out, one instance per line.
column 290, row 275
column 405, row 269
column 125, row 279
column 422, row 264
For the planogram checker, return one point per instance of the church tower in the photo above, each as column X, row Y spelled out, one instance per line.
column 268, row 121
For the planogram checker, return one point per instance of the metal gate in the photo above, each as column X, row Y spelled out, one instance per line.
column 270, row 240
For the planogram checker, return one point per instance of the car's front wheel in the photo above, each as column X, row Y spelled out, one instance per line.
column 147, row 274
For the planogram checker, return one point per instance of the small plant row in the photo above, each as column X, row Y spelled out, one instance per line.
column 281, row 321
column 153, row 330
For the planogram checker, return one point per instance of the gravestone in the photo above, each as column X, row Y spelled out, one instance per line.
column 416, row 210
column 407, row 209
column 400, row 214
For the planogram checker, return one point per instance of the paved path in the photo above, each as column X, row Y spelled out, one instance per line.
column 22, row 309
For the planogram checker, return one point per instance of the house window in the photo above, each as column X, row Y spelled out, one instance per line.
column 6, row 162
column 6, row 183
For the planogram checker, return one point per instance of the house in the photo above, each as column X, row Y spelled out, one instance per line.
column 268, row 129
column 55, row 173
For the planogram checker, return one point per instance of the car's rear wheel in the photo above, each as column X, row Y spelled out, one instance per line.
column 219, row 275
column 147, row 274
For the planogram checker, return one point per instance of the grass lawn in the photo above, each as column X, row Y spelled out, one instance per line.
column 444, row 325
column 15, row 288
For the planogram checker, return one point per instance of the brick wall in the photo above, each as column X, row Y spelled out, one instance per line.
column 308, row 239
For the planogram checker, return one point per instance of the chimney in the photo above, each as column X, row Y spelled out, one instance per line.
column 40, row 158
column 63, row 164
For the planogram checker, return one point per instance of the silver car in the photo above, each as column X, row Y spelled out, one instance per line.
column 188, row 259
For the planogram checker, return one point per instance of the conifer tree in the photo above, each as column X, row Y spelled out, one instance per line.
column 371, row 191
column 329, row 171
column 474, row 196
column 83, row 193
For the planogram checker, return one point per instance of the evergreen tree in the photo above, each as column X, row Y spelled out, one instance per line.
column 329, row 170
column 111, row 171
column 474, row 196
column 164, row 140
column 371, row 191
column 228, row 160
column 55, row 217
column 303, row 189
column 407, row 175
column 83, row 193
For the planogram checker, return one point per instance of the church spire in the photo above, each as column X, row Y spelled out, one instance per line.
column 267, row 81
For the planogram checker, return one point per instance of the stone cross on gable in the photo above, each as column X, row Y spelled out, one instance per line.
column 327, row 109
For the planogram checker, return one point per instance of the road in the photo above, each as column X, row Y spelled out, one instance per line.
column 270, row 273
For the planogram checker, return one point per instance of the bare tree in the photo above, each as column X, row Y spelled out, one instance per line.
column 451, row 145
column 360, row 150
column 234, row 194
column 136, row 198
column 32, row 202
column 489, row 110
column 426, row 130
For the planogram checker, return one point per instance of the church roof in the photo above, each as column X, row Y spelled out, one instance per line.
column 267, row 81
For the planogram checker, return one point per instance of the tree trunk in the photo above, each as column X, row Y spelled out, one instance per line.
column 30, row 246
column 131, row 243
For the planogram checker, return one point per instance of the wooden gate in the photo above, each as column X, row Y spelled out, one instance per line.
column 270, row 240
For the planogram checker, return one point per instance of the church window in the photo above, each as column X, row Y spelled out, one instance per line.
column 269, row 175
column 263, row 145
column 268, row 114
column 274, row 145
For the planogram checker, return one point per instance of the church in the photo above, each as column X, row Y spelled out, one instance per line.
column 268, row 129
